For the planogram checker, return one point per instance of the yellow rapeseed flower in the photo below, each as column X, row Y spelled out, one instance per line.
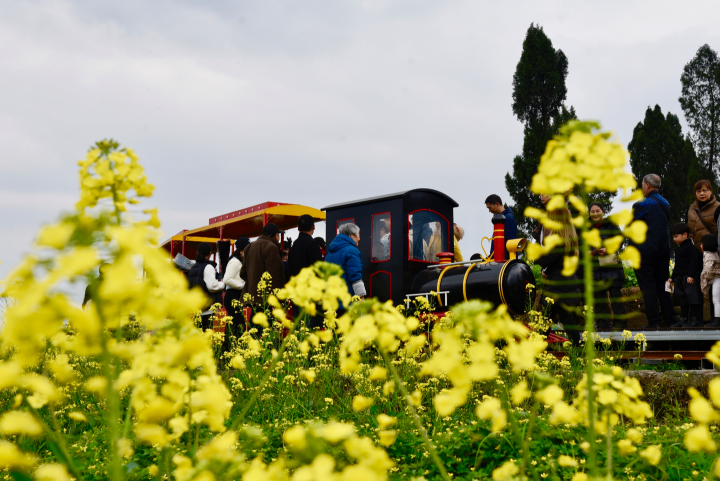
column 491, row 408
column 567, row 461
column 52, row 472
column 295, row 437
column 625, row 447
column 308, row 375
column 378, row 373
column 125, row 448
column 506, row 471
column 385, row 421
column 77, row 416
column 699, row 439
column 20, row 422
column 519, row 392
column 550, row 395
column 714, row 391
column 361, row 403
column 387, row 437
column 334, row 432
column 634, row 435
column 12, row 458
column 651, row 454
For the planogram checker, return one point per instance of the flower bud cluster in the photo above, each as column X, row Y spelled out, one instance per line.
column 578, row 157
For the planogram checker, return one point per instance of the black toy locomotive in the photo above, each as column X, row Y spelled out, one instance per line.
column 406, row 248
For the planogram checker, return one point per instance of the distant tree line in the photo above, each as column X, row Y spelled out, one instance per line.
column 658, row 144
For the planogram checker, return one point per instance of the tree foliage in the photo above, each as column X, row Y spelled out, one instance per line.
column 659, row 147
column 700, row 101
column 539, row 81
column 539, row 94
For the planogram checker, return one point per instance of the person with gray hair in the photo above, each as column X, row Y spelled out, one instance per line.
column 652, row 180
column 343, row 251
column 459, row 233
column 654, row 269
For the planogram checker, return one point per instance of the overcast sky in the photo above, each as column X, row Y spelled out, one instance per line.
column 233, row 103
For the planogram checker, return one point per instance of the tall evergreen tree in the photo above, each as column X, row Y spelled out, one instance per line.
column 700, row 101
column 659, row 147
column 539, row 94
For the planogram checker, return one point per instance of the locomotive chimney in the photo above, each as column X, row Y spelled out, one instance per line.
column 498, row 221
column 445, row 257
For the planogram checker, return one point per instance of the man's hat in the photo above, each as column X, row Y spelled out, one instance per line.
column 271, row 230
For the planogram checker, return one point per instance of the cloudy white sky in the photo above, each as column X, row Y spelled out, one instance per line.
column 233, row 103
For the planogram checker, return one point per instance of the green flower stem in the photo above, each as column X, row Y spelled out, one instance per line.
column 113, row 403
column 477, row 454
column 268, row 373
column 589, row 344
column 520, row 437
column 111, row 373
column 55, row 436
column 418, row 422
column 609, row 457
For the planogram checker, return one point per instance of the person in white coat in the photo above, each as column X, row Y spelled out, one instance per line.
column 233, row 292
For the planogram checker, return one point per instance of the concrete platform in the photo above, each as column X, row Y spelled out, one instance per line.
column 692, row 334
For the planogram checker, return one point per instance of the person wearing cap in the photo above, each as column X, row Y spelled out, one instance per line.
column 263, row 256
column 204, row 275
column 304, row 251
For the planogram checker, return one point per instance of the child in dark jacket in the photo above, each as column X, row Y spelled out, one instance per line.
column 686, row 278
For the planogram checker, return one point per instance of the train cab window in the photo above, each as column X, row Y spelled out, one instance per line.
column 380, row 237
column 427, row 235
column 342, row 222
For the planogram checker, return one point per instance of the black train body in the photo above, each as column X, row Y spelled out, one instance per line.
column 499, row 283
column 420, row 224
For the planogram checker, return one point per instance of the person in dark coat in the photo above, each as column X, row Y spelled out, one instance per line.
column 344, row 252
column 564, row 290
column 541, row 232
column 686, row 278
column 495, row 206
column 263, row 256
column 654, row 269
column 608, row 275
column 204, row 275
column 88, row 290
column 305, row 250
column 304, row 253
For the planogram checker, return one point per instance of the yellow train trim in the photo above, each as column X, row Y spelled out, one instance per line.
column 500, row 282
column 437, row 291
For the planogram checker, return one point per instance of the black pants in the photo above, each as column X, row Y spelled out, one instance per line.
column 568, row 319
column 602, row 307
column 690, row 311
column 237, row 328
column 206, row 321
column 652, row 275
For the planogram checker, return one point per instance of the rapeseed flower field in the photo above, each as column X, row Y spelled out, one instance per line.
column 130, row 387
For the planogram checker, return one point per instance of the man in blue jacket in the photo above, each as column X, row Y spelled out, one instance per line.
column 344, row 252
column 495, row 206
column 654, row 269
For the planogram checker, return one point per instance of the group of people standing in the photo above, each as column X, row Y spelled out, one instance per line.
column 244, row 271
column 696, row 269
